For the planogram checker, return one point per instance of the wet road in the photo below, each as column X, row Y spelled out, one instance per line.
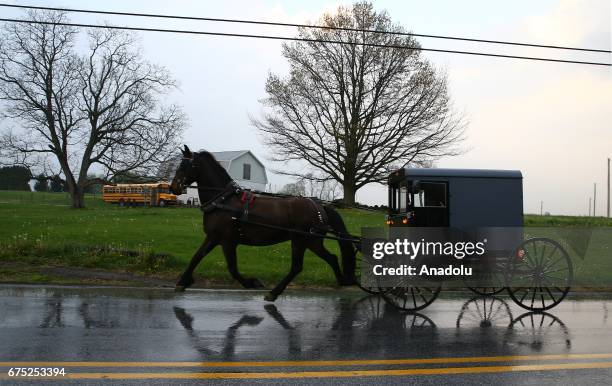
column 155, row 336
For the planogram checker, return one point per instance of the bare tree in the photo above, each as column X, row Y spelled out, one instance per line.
column 38, row 86
column 294, row 188
column 321, row 188
column 99, row 110
column 354, row 111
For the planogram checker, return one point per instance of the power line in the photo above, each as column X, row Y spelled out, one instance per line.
column 280, row 24
column 284, row 38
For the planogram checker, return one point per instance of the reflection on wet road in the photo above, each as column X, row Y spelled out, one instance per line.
column 321, row 334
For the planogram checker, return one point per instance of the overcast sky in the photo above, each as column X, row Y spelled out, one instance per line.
column 551, row 121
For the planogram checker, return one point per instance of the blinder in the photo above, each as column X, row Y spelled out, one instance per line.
column 187, row 165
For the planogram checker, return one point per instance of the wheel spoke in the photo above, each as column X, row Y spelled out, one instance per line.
column 527, row 259
column 551, row 254
column 558, row 270
column 525, row 294
column 552, row 264
column 541, row 259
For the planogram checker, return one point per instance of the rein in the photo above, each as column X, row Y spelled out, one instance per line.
column 230, row 189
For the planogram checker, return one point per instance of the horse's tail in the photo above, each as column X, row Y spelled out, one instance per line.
column 347, row 248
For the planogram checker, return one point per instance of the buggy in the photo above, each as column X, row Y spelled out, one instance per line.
column 536, row 272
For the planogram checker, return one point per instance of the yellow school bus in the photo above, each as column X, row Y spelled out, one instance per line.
column 155, row 194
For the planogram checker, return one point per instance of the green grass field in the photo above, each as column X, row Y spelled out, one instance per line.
column 41, row 229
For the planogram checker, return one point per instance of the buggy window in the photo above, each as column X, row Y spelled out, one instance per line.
column 431, row 195
column 398, row 197
column 402, row 198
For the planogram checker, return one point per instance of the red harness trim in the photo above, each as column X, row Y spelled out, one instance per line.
column 247, row 196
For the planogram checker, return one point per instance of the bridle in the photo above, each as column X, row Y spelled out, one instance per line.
column 231, row 186
column 180, row 181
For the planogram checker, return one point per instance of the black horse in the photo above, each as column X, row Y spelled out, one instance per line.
column 235, row 216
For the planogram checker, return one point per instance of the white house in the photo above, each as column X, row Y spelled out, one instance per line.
column 242, row 166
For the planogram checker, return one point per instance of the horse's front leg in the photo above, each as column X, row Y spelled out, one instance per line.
column 229, row 250
column 297, row 262
column 186, row 279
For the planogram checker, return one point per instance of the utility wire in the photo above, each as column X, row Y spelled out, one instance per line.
column 258, row 22
column 272, row 37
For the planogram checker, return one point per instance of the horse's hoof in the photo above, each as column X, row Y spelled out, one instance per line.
column 179, row 288
column 256, row 284
column 271, row 308
column 252, row 284
column 270, row 297
column 352, row 280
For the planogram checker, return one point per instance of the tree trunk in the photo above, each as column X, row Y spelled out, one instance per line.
column 349, row 194
column 77, row 195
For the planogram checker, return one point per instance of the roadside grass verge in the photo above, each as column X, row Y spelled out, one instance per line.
column 89, row 256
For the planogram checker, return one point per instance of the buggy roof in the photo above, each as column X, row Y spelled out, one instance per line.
column 469, row 173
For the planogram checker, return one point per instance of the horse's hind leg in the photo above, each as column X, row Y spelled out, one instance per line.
column 186, row 279
column 229, row 250
column 297, row 262
column 319, row 249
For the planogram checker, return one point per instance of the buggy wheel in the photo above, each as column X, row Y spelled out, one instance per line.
column 411, row 298
column 365, row 263
column 538, row 331
column 486, row 291
column 487, row 284
column 489, row 279
column 539, row 274
column 484, row 312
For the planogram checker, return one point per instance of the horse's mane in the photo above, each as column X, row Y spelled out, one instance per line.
column 211, row 161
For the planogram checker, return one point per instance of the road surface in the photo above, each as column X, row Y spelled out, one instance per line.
column 102, row 335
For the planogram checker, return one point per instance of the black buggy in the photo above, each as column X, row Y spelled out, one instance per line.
column 536, row 272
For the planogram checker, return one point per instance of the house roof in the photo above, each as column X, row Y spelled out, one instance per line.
column 228, row 155
column 225, row 157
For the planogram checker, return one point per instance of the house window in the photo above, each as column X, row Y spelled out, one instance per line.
column 246, row 171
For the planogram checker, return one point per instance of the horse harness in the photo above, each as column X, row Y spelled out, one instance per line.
column 247, row 198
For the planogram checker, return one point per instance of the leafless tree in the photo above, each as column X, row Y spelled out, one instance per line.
column 297, row 188
column 99, row 110
column 321, row 188
column 38, row 86
column 354, row 111
column 310, row 186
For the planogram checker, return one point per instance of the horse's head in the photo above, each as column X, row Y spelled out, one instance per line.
column 185, row 174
